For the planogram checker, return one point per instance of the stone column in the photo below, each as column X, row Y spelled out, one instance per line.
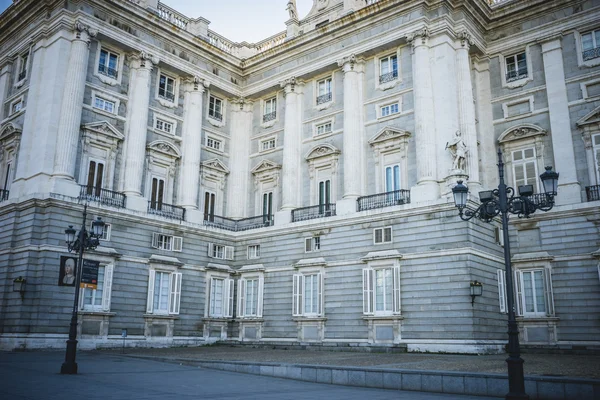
column 489, row 175
column 239, row 175
column 353, row 68
column 70, row 117
column 292, row 144
column 5, row 71
column 191, row 135
column 466, row 109
column 427, row 187
column 569, row 190
column 137, row 130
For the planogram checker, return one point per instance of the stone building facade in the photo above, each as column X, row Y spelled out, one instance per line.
column 298, row 190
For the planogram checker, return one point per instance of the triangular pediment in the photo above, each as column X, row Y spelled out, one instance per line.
column 322, row 150
column 104, row 128
column 264, row 166
column 591, row 118
column 520, row 132
column 165, row 148
column 9, row 129
column 216, row 165
column 388, row 133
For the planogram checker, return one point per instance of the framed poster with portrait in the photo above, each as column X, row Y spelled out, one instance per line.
column 67, row 273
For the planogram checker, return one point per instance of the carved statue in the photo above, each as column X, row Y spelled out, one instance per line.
column 291, row 8
column 459, row 151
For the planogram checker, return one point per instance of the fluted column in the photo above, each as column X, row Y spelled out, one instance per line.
column 353, row 68
column 5, row 70
column 427, row 187
column 191, row 135
column 70, row 115
column 239, row 175
column 292, row 148
column 466, row 108
column 137, row 116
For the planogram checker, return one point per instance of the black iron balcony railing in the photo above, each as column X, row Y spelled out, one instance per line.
column 166, row 210
column 22, row 75
column 237, row 225
column 381, row 200
column 3, row 194
column 593, row 193
column 102, row 196
column 390, row 76
column 591, row 54
column 516, row 75
column 312, row 212
column 216, row 115
column 108, row 71
column 167, row 96
column 270, row 116
column 324, row 98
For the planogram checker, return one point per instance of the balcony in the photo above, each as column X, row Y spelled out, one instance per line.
column 238, row 225
column 381, row 200
column 3, row 195
column 167, row 96
column 591, row 54
column 103, row 196
column 166, row 210
column 108, row 71
column 312, row 212
column 326, row 98
column 270, row 116
column 592, row 192
column 512, row 76
column 390, row 76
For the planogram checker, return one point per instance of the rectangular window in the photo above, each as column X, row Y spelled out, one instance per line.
column 325, row 198
column 381, row 291
column 98, row 299
column 221, row 297
column 209, row 206
column 161, row 292
column 220, row 251
column 390, row 109
column 108, row 64
column 267, row 144
column 324, row 91
column 213, row 143
column 166, row 88
column 516, row 67
column 323, row 128
column 534, row 292
column 7, row 180
column 164, row 292
column 590, row 45
column 95, row 178
column 382, row 235
column 164, row 126
column 525, row 168
column 16, row 106
column 104, row 104
column 105, row 233
column 388, row 68
column 270, row 110
column 312, row 244
column 157, row 193
column 267, row 203
column 215, row 108
column 307, row 295
column 250, row 296
column 253, row 251
column 502, row 290
column 23, row 60
column 392, row 178
column 167, row 242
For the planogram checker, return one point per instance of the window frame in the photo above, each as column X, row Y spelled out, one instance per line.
column 208, row 138
column 160, row 241
column 174, row 290
column 225, row 252
column 107, row 79
column 324, row 100
column 253, row 255
column 242, row 295
column 105, row 97
column 383, row 230
column 389, row 106
column 19, row 100
column 269, row 119
column 165, row 100
column 227, row 294
column 299, row 293
column 504, row 70
column 377, row 263
column 23, row 61
column 323, row 124
column 315, row 244
column 523, row 162
column 213, row 118
column 579, row 50
column 105, row 300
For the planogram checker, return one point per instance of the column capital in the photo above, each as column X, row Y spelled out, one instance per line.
column 245, row 105
column 351, row 63
column 84, row 32
column 465, row 39
column 195, row 83
column 291, row 84
column 141, row 59
column 418, row 38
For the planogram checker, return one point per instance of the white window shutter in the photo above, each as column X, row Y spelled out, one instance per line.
column 150, row 303
column 259, row 303
column 175, row 293
column 518, row 293
column 396, row 297
column 106, row 293
column 502, row 289
column 307, row 245
column 229, row 252
column 549, row 296
column 320, row 293
column 241, row 297
column 177, row 243
column 155, row 240
column 297, row 295
column 210, row 249
column 367, row 291
column 228, row 297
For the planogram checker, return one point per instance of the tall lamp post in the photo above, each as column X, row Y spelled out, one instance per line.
column 83, row 241
column 504, row 201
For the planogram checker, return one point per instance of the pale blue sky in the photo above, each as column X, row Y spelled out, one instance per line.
column 237, row 20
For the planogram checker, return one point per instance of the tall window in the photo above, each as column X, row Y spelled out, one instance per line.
column 166, row 88
column 270, row 110
column 164, row 292
column 325, row 196
column 267, row 204
column 7, row 178
column 108, row 64
column 324, row 91
column 534, row 292
column 215, row 108
column 590, row 45
column 157, row 194
column 95, row 178
column 388, row 68
column 392, row 178
column 381, row 291
column 98, row 299
column 308, row 294
column 23, row 60
column 596, row 149
column 221, row 297
column 516, row 67
column 209, row 206
column 525, row 168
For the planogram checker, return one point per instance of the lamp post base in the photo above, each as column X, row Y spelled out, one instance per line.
column 516, row 379
column 70, row 366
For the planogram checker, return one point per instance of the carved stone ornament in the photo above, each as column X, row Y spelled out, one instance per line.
column 164, row 148
column 322, row 150
column 243, row 103
column 422, row 34
column 590, row 118
column 84, row 32
column 195, row 83
column 321, row 4
column 351, row 60
column 465, row 39
column 142, row 59
column 216, row 166
column 524, row 131
column 289, row 84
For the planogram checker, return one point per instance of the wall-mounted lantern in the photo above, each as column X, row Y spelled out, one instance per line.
column 476, row 290
column 19, row 286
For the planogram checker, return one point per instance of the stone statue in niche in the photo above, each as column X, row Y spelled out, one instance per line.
column 459, row 151
column 291, row 8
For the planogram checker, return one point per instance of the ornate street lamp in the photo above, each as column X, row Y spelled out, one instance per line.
column 83, row 241
column 504, row 201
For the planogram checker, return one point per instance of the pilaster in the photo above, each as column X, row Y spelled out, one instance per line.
column 488, row 169
column 291, row 187
column 5, row 70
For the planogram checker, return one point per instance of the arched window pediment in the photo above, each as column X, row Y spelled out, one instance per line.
column 521, row 132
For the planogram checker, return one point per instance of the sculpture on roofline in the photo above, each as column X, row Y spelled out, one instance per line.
column 291, row 7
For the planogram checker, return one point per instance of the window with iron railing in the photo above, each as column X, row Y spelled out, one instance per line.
column 270, row 110
column 388, row 68
column 108, row 64
column 166, row 88
column 516, row 67
column 215, row 108
column 590, row 45
column 324, row 87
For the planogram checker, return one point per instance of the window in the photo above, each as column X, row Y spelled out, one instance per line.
column 502, row 290
column 516, row 67
column 95, row 178
column 16, row 106
column 164, row 126
column 104, row 104
column 98, row 299
column 108, row 64
column 213, row 143
column 267, row 144
column 388, row 68
column 590, row 45
column 166, row 88
column 7, row 179
column 23, row 60
column 308, row 294
column 325, row 197
column 253, row 251
column 596, row 150
column 270, row 110
column 220, row 297
column 220, row 251
column 381, row 291
column 209, row 206
column 382, row 235
column 164, row 292
column 525, row 168
column 323, row 128
column 250, row 296
column 312, row 244
column 389, row 109
column 167, row 242
column 267, row 203
column 534, row 292
column 392, row 178
column 106, row 232
column 324, row 91
column 215, row 108
column 157, row 193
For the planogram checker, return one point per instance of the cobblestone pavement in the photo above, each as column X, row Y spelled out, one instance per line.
column 581, row 366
